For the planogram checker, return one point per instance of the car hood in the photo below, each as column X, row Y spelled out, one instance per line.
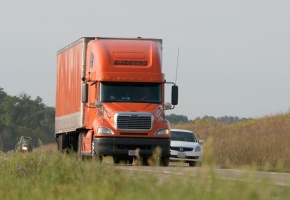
column 183, row 144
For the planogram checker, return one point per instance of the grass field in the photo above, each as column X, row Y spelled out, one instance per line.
column 259, row 144
column 51, row 175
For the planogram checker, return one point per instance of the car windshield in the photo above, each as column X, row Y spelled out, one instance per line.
column 183, row 136
column 130, row 92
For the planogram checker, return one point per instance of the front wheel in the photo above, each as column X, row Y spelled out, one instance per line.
column 95, row 157
column 164, row 161
column 193, row 164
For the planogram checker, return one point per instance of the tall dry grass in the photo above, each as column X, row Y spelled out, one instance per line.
column 262, row 143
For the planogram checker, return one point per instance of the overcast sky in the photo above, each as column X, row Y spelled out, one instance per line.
column 234, row 56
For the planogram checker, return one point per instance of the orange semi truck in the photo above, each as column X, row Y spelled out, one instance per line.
column 110, row 99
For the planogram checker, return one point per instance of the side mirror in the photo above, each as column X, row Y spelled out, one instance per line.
column 200, row 141
column 168, row 106
column 85, row 93
column 174, row 95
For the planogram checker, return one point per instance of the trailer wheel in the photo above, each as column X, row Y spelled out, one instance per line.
column 63, row 142
column 74, row 142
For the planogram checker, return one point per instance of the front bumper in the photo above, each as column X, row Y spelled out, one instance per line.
column 185, row 156
column 122, row 146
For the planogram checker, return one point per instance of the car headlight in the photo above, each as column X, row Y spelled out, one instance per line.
column 104, row 130
column 198, row 148
column 163, row 132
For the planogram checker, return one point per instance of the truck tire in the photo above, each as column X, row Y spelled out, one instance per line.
column 63, row 142
column 164, row 161
column 96, row 157
column 192, row 164
column 74, row 142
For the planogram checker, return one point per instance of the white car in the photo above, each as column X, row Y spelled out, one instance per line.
column 184, row 146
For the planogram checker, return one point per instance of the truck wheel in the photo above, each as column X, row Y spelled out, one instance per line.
column 164, row 161
column 74, row 143
column 63, row 142
column 96, row 157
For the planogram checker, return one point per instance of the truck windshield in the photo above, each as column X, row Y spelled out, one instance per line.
column 130, row 92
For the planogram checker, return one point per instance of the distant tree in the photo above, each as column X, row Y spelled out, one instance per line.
column 2, row 96
column 208, row 118
column 224, row 119
column 174, row 119
column 230, row 119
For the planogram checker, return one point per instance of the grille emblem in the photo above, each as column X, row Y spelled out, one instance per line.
column 181, row 149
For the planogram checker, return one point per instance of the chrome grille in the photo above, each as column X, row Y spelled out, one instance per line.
column 182, row 149
column 134, row 121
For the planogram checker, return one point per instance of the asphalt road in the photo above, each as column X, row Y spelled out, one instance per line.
column 275, row 178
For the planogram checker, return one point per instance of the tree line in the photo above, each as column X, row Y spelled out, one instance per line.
column 175, row 119
column 22, row 116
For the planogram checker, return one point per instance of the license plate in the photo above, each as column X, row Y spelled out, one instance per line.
column 181, row 154
column 133, row 153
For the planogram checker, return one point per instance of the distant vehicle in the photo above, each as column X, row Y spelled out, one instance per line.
column 24, row 145
column 185, row 147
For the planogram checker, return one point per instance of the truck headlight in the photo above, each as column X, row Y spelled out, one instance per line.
column 104, row 130
column 24, row 148
column 163, row 132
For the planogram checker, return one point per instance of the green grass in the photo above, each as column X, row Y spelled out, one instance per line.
column 51, row 175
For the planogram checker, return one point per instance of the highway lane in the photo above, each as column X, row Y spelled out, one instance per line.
column 179, row 168
column 282, row 179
